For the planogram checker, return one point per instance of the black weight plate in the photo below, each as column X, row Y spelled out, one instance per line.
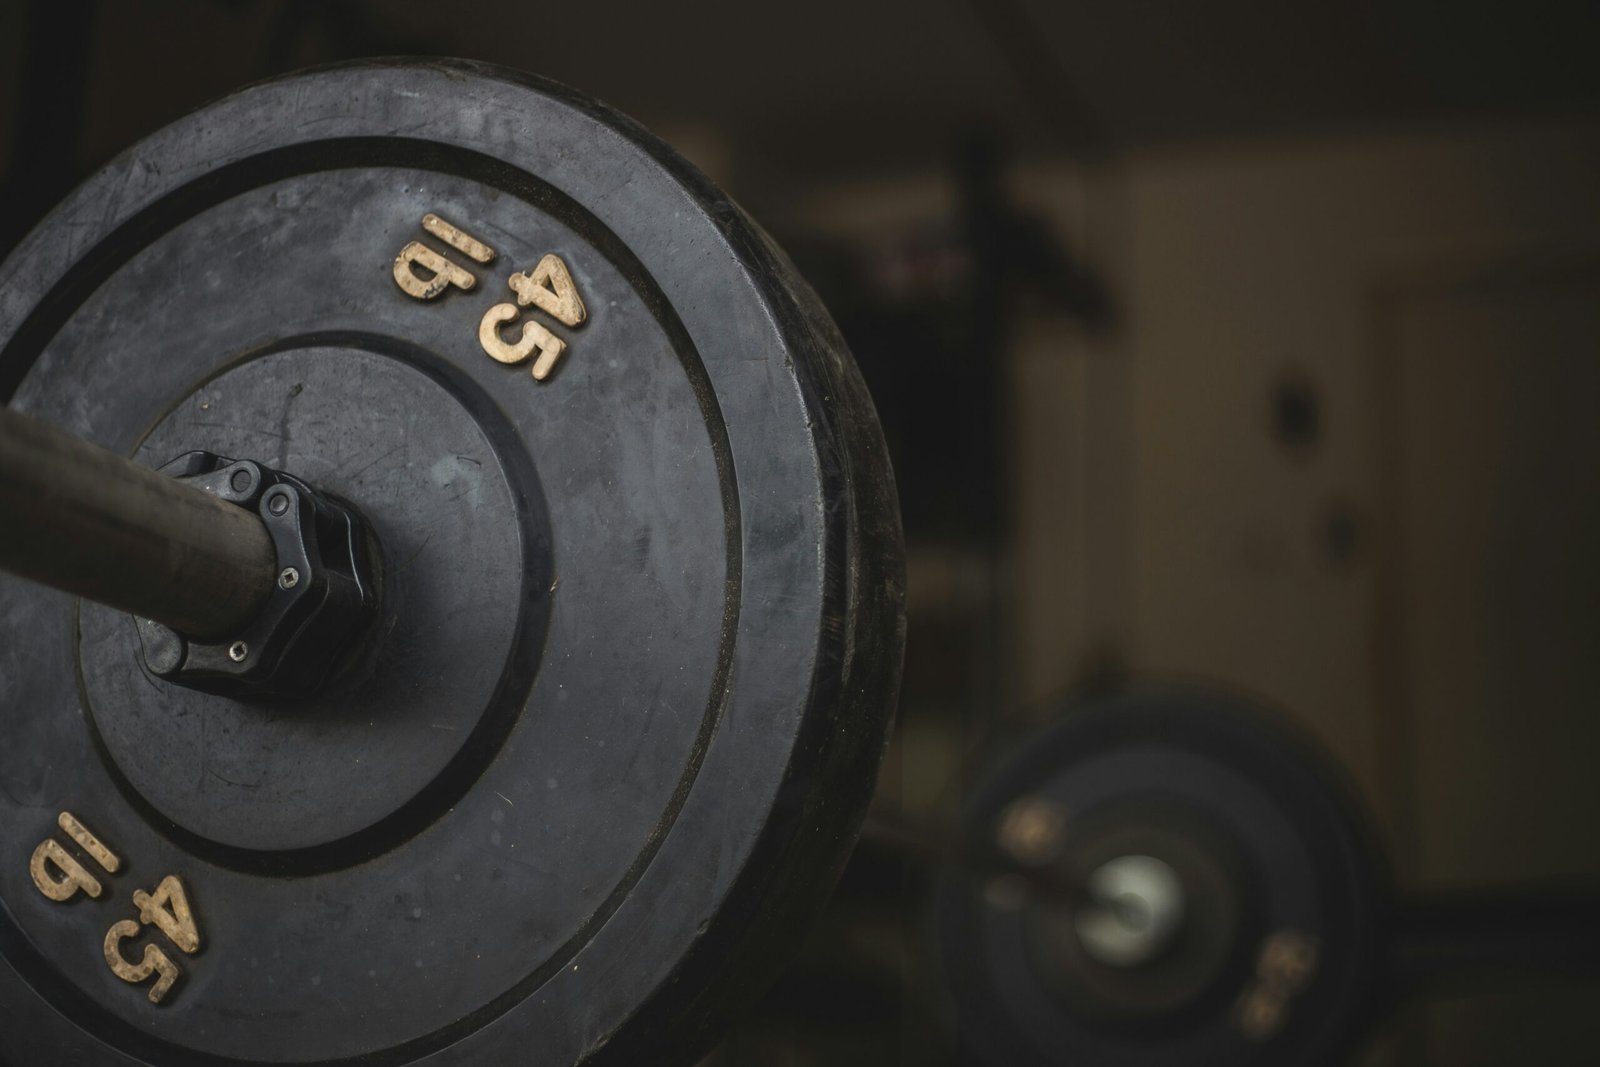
column 642, row 620
column 1157, row 768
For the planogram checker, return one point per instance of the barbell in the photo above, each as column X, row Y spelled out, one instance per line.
column 477, row 598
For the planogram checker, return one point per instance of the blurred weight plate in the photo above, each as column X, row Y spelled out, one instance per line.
column 1180, row 882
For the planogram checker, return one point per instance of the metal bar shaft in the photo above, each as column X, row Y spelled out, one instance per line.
column 85, row 520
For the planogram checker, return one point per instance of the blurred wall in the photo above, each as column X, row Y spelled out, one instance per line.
column 1341, row 453
column 1414, row 577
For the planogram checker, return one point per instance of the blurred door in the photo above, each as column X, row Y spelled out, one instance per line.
column 1496, row 600
column 1364, row 400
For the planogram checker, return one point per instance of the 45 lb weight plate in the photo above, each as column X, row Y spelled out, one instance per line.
column 641, row 617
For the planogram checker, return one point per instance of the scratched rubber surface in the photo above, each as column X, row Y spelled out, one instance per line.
column 642, row 618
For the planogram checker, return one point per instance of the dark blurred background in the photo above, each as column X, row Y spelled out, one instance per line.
column 1245, row 343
